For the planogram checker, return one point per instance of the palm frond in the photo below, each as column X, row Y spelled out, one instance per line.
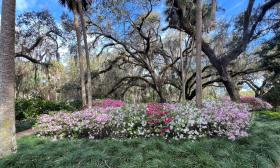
column 70, row 4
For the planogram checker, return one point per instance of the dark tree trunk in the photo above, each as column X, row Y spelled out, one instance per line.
column 159, row 91
column 190, row 96
column 162, row 100
column 228, row 83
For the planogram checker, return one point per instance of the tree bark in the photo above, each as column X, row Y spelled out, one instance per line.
column 198, row 39
column 221, row 67
column 232, row 91
column 161, row 97
column 183, row 95
column 7, row 79
column 228, row 83
column 81, row 57
column 89, row 87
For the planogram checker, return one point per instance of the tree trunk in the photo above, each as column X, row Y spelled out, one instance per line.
column 89, row 87
column 221, row 67
column 81, row 58
column 162, row 99
column 230, row 87
column 7, row 79
column 160, row 94
column 198, row 38
column 183, row 93
column 228, row 83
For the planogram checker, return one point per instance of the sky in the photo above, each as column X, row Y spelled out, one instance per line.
column 232, row 7
column 36, row 5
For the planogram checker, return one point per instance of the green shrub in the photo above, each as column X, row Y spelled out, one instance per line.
column 76, row 104
column 22, row 125
column 273, row 96
column 31, row 108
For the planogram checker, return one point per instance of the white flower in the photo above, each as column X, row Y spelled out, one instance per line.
column 186, row 130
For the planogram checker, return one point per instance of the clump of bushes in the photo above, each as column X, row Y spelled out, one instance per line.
column 108, row 103
column 32, row 108
column 273, row 96
column 170, row 121
column 256, row 103
column 22, row 125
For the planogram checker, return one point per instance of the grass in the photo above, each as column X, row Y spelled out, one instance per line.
column 261, row 149
column 274, row 115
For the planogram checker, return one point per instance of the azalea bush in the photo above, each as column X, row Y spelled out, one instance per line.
column 256, row 103
column 88, row 123
column 108, row 103
column 170, row 121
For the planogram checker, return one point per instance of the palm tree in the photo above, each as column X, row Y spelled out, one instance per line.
column 183, row 96
column 198, row 37
column 7, row 79
column 73, row 6
column 83, row 6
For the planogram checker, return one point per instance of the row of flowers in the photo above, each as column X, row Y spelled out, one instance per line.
column 171, row 121
column 256, row 103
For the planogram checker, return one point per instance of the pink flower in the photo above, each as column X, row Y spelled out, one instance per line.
column 165, row 130
column 168, row 120
column 108, row 103
column 102, row 118
column 256, row 103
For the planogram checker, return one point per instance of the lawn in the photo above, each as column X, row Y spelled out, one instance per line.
column 260, row 149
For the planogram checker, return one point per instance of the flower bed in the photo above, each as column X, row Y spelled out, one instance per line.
column 171, row 121
column 108, row 103
column 256, row 103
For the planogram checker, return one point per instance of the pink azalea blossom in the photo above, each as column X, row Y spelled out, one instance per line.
column 256, row 103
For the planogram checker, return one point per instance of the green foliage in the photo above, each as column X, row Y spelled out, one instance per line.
column 274, row 115
column 261, row 149
column 22, row 125
column 31, row 108
column 76, row 104
column 273, row 96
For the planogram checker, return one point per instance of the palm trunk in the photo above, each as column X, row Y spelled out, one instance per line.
column 183, row 94
column 198, row 53
column 7, row 79
column 89, row 87
column 81, row 58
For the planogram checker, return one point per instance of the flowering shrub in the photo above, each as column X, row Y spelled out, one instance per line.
column 158, row 118
column 171, row 121
column 132, row 123
column 108, row 103
column 228, row 118
column 91, row 123
column 256, row 103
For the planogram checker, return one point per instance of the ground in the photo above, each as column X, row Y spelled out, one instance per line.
column 260, row 149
